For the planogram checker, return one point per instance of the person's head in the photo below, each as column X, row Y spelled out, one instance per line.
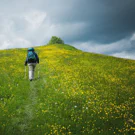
column 31, row 49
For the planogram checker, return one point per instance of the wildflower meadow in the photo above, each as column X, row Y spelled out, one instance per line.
column 73, row 93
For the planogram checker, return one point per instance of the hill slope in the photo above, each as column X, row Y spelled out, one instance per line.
column 76, row 93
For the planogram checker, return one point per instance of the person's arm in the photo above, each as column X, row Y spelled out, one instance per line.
column 37, row 58
column 26, row 61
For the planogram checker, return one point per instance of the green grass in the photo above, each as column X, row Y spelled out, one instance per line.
column 78, row 93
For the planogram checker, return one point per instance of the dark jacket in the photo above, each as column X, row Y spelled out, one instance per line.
column 35, row 61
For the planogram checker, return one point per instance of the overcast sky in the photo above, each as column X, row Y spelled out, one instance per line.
column 100, row 26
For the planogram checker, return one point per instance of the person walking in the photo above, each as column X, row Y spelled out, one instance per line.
column 32, row 59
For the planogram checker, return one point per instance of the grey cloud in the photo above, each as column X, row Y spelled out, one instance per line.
column 107, row 20
column 96, row 25
column 124, row 48
column 125, row 54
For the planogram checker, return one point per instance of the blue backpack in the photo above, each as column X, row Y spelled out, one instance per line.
column 31, row 56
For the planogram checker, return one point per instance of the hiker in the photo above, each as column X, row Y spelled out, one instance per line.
column 32, row 59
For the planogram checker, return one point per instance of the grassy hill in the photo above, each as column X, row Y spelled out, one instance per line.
column 77, row 93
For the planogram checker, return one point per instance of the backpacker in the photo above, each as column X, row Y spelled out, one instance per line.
column 31, row 57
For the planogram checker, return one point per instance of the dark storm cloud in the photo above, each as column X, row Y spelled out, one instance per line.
column 107, row 20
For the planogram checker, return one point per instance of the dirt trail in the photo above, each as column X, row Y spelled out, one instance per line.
column 29, row 109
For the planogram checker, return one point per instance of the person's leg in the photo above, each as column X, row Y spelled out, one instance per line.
column 30, row 72
column 33, row 65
